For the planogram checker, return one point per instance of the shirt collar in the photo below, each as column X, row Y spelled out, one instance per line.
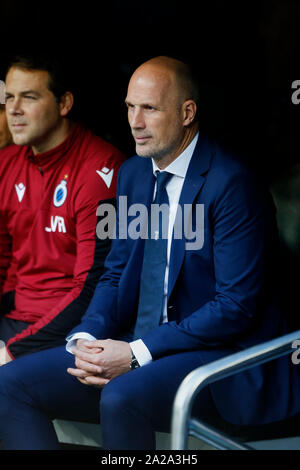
column 180, row 165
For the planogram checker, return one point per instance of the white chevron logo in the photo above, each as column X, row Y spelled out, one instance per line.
column 106, row 174
column 20, row 188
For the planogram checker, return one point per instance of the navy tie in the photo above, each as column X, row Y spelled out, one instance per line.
column 151, row 298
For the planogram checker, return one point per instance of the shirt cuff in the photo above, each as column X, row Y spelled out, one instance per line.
column 141, row 352
column 71, row 340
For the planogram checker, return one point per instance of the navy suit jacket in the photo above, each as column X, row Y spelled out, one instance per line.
column 222, row 297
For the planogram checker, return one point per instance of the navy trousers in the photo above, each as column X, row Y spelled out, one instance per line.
column 36, row 388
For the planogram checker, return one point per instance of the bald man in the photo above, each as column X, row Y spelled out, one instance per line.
column 169, row 301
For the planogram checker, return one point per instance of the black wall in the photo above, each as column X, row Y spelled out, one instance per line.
column 245, row 54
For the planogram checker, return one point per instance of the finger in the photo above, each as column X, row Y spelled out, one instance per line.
column 88, row 367
column 95, row 344
column 98, row 381
column 84, row 346
column 83, row 381
column 77, row 373
column 86, row 356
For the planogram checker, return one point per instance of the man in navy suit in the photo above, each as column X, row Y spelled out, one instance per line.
column 218, row 294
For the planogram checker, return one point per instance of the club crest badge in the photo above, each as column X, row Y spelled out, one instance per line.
column 60, row 193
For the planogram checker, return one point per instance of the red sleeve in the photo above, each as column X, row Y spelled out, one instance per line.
column 5, row 250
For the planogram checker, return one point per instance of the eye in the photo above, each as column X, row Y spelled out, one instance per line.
column 29, row 97
column 148, row 107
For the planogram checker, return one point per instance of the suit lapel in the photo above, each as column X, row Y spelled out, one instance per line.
column 143, row 189
column 143, row 184
column 199, row 165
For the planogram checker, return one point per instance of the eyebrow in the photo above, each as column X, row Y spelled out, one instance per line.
column 142, row 105
column 25, row 92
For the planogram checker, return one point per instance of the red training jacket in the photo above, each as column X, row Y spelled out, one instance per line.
column 48, row 206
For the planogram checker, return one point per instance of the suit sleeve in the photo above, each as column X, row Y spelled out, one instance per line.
column 244, row 226
column 91, row 251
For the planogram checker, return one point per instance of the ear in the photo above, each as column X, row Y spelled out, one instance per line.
column 66, row 103
column 189, row 112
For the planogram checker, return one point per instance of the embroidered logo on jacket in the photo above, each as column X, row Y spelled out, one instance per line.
column 20, row 189
column 106, row 174
column 57, row 224
column 60, row 193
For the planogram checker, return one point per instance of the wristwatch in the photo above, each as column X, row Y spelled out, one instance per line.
column 134, row 362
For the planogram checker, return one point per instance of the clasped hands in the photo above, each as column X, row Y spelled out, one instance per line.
column 99, row 361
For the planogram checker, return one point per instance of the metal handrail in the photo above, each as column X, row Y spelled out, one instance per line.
column 217, row 370
column 213, row 437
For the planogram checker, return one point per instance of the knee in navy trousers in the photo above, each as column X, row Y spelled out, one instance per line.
column 36, row 388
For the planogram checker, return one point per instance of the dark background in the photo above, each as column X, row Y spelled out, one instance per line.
column 246, row 55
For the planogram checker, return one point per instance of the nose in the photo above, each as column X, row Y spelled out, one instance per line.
column 13, row 106
column 136, row 118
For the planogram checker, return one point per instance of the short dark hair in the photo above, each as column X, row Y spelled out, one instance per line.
column 58, row 78
column 188, row 80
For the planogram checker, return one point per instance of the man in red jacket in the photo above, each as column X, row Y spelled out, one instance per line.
column 52, row 182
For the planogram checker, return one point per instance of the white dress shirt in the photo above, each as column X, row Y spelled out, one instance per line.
column 178, row 168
